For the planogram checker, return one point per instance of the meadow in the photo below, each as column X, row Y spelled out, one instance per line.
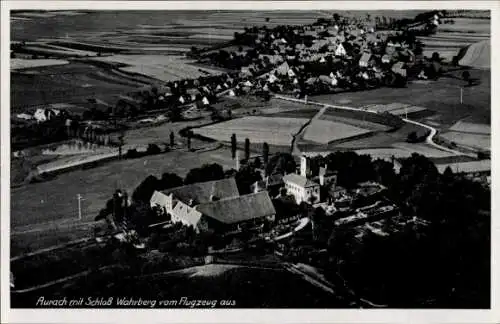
column 323, row 131
column 160, row 67
column 55, row 199
column 450, row 38
column 276, row 131
column 70, row 83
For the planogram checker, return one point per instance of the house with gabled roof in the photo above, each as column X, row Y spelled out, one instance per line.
column 340, row 51
column 214, row 205
column 236, row 214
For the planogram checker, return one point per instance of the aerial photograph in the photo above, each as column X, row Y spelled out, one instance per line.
column 250, row 159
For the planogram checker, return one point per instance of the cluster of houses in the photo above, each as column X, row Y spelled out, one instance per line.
column 215, row 206
column 337, row 54
column 45, row 113
column 218, row 207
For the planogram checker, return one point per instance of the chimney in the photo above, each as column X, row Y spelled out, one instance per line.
column 304, row 166
column 322, row 173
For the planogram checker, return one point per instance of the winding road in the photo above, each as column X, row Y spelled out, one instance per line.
column 429, row 140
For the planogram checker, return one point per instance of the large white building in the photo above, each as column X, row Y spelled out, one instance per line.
column 300, row 186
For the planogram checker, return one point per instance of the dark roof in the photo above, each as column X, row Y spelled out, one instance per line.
column 200, row 192
column 239, row 209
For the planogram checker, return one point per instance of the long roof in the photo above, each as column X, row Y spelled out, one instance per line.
column 299, row 180
column 239, row 209
column 200, row 192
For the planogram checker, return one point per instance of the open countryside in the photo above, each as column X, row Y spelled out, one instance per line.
column 206, row 154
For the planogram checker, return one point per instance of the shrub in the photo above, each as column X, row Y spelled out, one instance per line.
column 153, row 149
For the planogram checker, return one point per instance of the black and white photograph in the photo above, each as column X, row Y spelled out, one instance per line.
column 249, row 158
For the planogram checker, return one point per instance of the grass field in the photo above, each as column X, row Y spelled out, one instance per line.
column 16, row 64
column 323, row 131
column 441, row 96
column 276, row 131
column 69, row 83
column 55, row 200
column 450, row 38
column 161, row 67
column 474, row 141
column 467, row 127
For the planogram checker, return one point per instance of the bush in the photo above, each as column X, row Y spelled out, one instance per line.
column 132, row 153
column 153, row 149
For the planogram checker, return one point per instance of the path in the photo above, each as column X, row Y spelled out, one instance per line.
column 302, row 225
column 429, row 140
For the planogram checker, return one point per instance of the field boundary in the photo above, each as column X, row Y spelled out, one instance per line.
column 429, row 139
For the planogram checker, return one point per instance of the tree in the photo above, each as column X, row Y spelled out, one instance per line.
column 189, row 135
column 233, row 146
column 172, row 139
column 206, row 172
column 247, row 149
column 466, row 77
column 153, row 149
column 257, row 163
column 121, row 142
column 448, row 173
column 436, row 57
column 169, row 180
column 281, row 163
column 145, row 190
column 265, row 153
column 412, row 137
column 245, row 177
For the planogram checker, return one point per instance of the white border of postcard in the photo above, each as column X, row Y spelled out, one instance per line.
column 247, row 315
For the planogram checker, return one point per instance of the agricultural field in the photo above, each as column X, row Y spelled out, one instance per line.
column 70, row 83
column 441, row 96
column 130, row 30
column 472, row 141
column 395, row 108
column 55, row 200
column 468, row 127
column 354, row 122
column 276, row 131
column 468, row 134
column 160, row 67
column 450, row 38
column 323, row 131
column 17, row 63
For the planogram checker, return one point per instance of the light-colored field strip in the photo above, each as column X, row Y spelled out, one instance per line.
column 380, row 108
column 467, row 127
column 474, row 141
column 409, row 110
column 162, row 67
column 324, row 131
column 17, row 63
column 274, row 130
